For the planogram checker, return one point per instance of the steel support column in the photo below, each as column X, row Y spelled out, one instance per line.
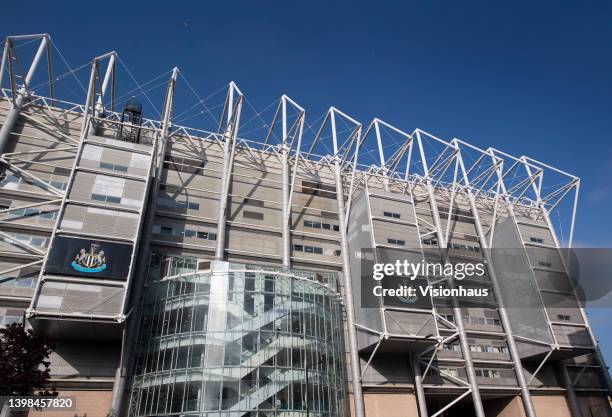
column 514, row 353
column 99, row 107
column 571, row 394
column 19, row 101
column 346, row 272
column 230, row 134
column 465, row 347
column 418, row 384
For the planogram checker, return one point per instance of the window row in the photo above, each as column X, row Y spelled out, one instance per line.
column 180, row 204
column 114, row 167
column 28, row 239
column 319, row 225
column 47, row 214
column 169, row 230
column 313, row 249
column 489, row 348
column 7, row 179
column 474, row 320
column 460, row 246
column 487, row 373
column 391, row 214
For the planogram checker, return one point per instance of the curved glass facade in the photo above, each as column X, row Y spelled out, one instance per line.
column 240, row 341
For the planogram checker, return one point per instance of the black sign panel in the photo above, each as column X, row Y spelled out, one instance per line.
column 89, row 258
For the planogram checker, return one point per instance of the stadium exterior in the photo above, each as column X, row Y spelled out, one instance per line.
column 189, row 272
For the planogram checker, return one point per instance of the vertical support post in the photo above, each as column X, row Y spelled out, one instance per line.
column 381, row 155
column 229, row 141
column 465, row 347
column 503, row 313
column 13, row 114
column 571, row 394
column 348, row 286
column 99, row 107
column 418, row 384
column 286, row 212
column 130, row 331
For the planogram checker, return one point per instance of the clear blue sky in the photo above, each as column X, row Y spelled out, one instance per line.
column 527, row 77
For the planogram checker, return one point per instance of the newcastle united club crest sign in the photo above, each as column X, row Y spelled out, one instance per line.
column 90, row 261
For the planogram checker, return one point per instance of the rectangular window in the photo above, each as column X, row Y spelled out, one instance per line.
column 391, row 214
column 397, row 242
column 563, row 317
column 189, row 233
column 252, row 215
column 253, row 202
column 308, row 249
column 165, row 230
column 113, row 167
column 545, row 264
column 536, row 240
column 314, row 225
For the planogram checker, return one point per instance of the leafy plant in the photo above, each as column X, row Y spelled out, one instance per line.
column 24, row 364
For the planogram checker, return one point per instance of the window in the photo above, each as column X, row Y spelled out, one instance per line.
column 253, row 202
column 452, row 347
column 563, row 317
column 391, row 214
column 397, row 242
column 493, row 322
column 113, row 167
column 189, row 233
column 319, row 225
column 106, row 198
column 536, row 240
column 165, row 230
column 207, row 235
column 252, row 215
column 487, row 373
column 545, row 264
column 182, row 204
column 308, row 223
column 308, row 249
column 488, row 348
